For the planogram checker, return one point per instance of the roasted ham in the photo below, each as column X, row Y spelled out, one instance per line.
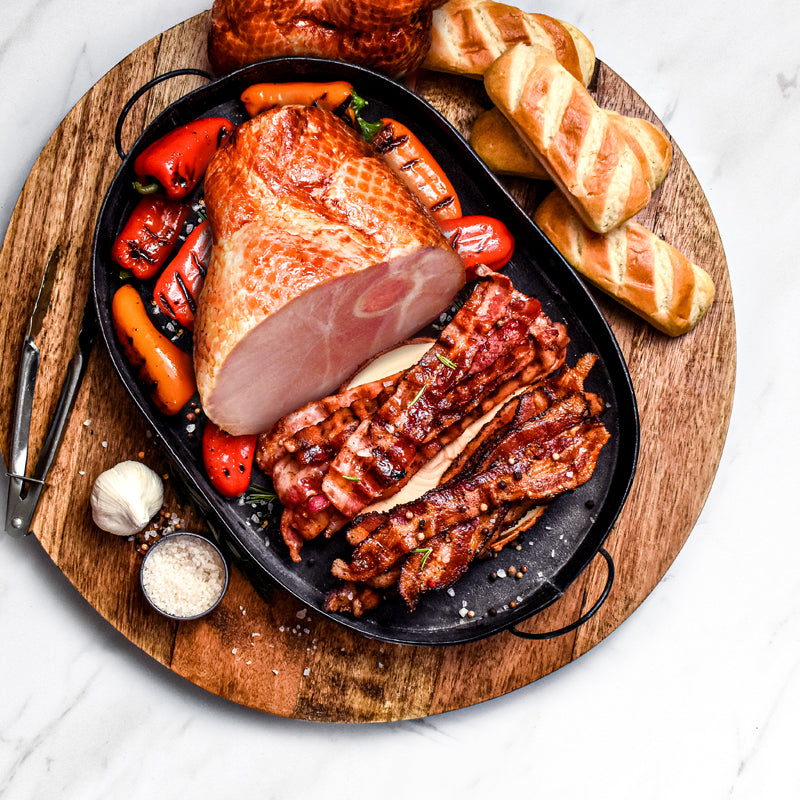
column 321, row 258
column 391, row 37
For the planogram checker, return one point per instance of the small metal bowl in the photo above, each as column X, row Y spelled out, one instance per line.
column 149, row 565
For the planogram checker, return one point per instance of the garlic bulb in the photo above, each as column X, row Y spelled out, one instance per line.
column 126, row 497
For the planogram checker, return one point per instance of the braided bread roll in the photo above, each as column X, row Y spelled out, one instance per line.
column 584, row 151
column 497, row 143
column 499, row 146
column 468, row 35
column 633, row 265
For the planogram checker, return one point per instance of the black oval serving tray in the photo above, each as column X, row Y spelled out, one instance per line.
column 573, row 528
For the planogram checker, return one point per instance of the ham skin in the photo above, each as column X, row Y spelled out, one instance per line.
column 321, row 258
column 390, row 37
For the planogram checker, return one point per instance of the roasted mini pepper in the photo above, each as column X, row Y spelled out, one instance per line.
column 479, row 240
column 262, row 96
column 163, row 366
column 179, row 285
column 179, row 160
column 228, row 459
column 418, row 169
column 149, row 235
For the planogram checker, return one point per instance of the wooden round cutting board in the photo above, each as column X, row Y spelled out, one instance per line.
column 267, row 651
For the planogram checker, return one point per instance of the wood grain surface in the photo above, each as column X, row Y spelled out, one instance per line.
column 266, row 651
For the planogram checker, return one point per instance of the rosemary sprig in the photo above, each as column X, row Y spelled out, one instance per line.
column 259, row 494
column 418, row 395
column 427, row 553
column 352, row 478
column 446, row 361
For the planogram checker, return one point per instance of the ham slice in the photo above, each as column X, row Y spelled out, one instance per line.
column 321, row 258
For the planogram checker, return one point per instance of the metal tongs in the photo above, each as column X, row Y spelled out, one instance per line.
column 23, row 490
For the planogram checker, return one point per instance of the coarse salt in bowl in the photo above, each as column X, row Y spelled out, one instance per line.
column 183, row 575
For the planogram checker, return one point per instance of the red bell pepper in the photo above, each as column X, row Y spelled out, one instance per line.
column 178, row 160
column 149, row 235
column 418, row 169
column 479, row 240
column 179, row 285
column 228, row 459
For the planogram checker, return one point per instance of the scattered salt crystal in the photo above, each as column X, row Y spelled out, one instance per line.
column 451, row 591
column 380, row 666
column 501, row 573
column 104, row 444
column 274, row 672
column 462, row 612
column 306, row 672
column 253, row 635
column 552, row 554
column 301, row 614
column 190, row 427
column 235, row 650
column 81, row 472
column 87, row 423
column 248, row 662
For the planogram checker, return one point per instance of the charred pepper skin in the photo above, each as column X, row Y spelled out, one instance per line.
column 163, row 367
column 479, row 240
column 228, row 460
column 178, row 287
column 149, row 236
column 179, row 160
column 418, row 169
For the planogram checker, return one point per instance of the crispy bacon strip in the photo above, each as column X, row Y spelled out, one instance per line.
column 334, row 456
column 550, row 454
column 496, row 335
column 272, row 445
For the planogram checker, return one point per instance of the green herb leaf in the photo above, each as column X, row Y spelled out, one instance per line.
column 446, row 361
column 351, row 478
column 418, row 395
column 427, row 553
column 256, row 494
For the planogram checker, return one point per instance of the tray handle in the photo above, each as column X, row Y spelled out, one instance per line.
column 581, row 620
column 143, row 90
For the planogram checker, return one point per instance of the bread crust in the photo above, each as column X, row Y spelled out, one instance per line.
column 633, row 265
column 498, row 144
column 468, row 35
column 583, row 149
column 501, row 149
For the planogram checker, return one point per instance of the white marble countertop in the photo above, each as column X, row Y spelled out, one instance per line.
column 696, row 695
